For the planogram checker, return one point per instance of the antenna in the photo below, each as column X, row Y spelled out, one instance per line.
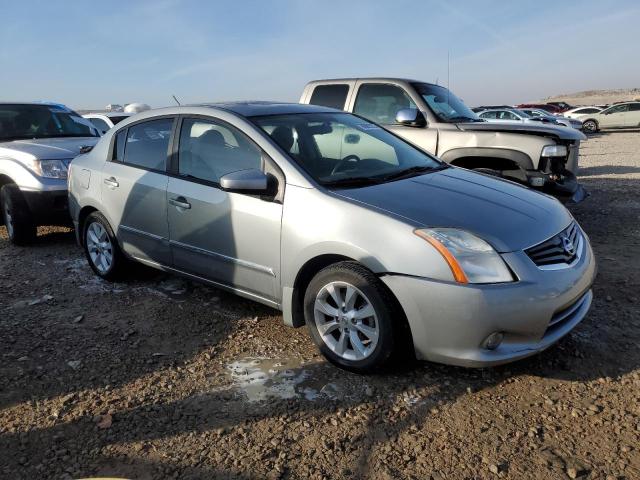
column 448, row 77
column 174, row 97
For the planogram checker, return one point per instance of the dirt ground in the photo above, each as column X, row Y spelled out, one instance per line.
column 160, row 378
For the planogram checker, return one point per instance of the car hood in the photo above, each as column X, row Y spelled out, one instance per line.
column 508, row 216
column 48, row 148
column 532, row 128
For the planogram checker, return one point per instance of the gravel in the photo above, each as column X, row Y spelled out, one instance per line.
column 160, row 378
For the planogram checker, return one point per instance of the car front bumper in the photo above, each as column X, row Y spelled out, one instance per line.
column 48, row 207
column 450, row 322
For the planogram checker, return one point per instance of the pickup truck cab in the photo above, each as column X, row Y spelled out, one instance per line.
column 37, row 143
column 434, row 119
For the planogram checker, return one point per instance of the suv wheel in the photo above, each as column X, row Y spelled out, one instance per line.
column 101, row 247
column 17, row 217
column 590, row 126
column 350, row 314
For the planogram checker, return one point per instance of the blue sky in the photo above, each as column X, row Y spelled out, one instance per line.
column 87, row 54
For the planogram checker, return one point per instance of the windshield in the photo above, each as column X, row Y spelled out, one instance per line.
column 41, row 121
column 339, row 149
column 444, row 104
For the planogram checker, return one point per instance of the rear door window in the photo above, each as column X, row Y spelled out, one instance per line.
column 333, row 96
column 147, row 144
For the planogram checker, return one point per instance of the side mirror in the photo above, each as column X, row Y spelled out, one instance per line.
column 410, row 117
column 250, row 181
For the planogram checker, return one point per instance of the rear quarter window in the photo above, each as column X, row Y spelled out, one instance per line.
column 333, row 96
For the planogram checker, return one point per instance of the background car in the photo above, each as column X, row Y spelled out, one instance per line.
column 542, row 106
column 563, row 106
column 37, row 143
column 621, row 115
column 103, row 121
column 331, row 218
column 513, row 115
column 557, row 119
column 538, row 154
column 580, row 113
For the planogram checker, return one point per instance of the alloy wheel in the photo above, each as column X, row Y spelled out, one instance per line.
column 99, row 247
column 346, row 321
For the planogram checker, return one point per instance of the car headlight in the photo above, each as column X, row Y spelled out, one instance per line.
column 49, row 168
column 471, row 259
column 554, row 151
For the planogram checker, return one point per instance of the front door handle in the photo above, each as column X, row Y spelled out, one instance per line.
column 180, row 202
column 111, row 182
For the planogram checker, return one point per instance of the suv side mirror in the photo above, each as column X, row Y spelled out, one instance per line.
column 410, row 117
column 250, row 181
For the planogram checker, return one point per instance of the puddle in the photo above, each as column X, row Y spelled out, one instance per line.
column 264, row 379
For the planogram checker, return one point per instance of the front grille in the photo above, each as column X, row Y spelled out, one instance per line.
column 560, row 250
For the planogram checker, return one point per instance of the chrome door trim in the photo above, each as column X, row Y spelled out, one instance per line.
column 238, row 291
column 219, row 256
column 142, row 233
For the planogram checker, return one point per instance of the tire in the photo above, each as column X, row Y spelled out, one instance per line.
column 359, row 344
column 590, row 126
column 101, row 248
column 21, row 228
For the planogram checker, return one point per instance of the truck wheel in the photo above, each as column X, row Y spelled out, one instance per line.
column 17, row 217
column 590, row 126
column 350, row 316
column 101, row 248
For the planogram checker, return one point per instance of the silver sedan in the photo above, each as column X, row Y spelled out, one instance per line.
column 378, row 247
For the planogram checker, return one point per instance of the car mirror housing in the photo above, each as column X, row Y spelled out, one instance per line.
column 245, row 181
column 410, row 117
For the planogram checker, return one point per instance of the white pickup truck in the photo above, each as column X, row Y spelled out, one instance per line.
column 434, row 119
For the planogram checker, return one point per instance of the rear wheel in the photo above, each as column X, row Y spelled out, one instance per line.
column 21, row 228
column 590, row 126
column 101, row 247
column 350, row 313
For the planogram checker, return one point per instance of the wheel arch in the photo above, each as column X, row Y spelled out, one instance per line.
column 82, row 217
column 488, row 158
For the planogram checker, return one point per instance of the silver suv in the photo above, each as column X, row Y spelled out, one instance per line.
column 374, row 244
column 434, row 119
column 37, row 143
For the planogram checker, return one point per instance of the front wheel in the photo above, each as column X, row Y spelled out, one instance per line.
column 21, row 228
column 101, row 247
column 350, row 314
column 590, row 126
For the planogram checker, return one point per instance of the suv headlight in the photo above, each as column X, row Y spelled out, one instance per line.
column 49, row 168
column 554, row 151
column 471, row 259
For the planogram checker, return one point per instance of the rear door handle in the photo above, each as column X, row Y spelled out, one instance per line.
column 180, row 202
column 112, row 182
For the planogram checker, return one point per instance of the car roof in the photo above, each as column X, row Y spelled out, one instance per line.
column 263, row 108
column 373, row 79
column 109, row 114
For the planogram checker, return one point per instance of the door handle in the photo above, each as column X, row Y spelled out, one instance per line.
column 112, row 182
column 180, row 202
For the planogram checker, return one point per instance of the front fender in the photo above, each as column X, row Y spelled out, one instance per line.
column 520, row 158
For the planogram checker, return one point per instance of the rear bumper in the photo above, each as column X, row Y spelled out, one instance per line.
column 450, row 322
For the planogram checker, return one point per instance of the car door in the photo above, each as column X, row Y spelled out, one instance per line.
column 614, row 117
column 633, row 117
column 380, row 102
column 134, row 188
column 229, row 238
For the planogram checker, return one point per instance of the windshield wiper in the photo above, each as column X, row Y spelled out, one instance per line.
column 352, row 182
column 411, row 172
column 462, row 118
